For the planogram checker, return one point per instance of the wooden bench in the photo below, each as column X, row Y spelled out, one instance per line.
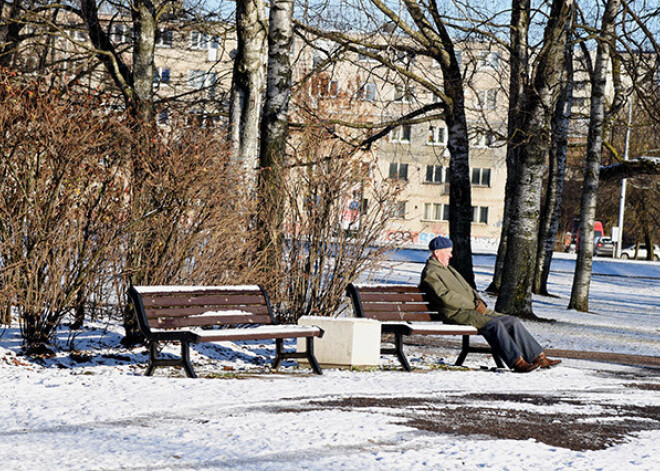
column 403, row 310
column 193, row 314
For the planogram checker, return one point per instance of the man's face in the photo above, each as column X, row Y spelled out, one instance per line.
column 443, row 255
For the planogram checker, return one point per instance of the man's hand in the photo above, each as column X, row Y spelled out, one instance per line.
column 480, row 306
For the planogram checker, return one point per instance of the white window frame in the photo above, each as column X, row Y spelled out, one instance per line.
column 158, row 75
column 368, row 92
column 398, row 210
column 480, row 215
column 488, row 59
column 396, row 175
column 484, row 140
column 165, row 38
column 434, row 139
column 403, row 93
column 486, row 99
column 482, row 180
column 437, row 212
column 436, row 170
column 401, row 134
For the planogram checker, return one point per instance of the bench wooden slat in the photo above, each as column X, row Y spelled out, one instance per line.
column 186, row 299
column 394, row 307
column 196, row 310
column 392, row 297
column 287, row 331
column 198, row 321
column 400, row 316
column 365, row 289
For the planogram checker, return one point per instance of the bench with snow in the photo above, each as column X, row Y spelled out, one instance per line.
column 403, row 310
column 194, row 314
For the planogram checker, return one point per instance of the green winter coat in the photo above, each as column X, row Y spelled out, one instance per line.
column 452, row 296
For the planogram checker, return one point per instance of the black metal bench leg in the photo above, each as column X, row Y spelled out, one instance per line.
column 185, row 360
column 464, row 351
column 498, row 361
column 153, row 346
column 279, row 353
column 311, row 358
column 398, row 342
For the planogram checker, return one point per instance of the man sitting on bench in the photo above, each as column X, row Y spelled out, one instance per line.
column 459, row 303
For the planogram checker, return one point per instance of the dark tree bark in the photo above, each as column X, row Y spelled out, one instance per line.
column 531, row 143
column 582, row 280
column 519, row 65
column 556, row 173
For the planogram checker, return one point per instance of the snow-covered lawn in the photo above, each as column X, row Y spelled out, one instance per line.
column 94, row 410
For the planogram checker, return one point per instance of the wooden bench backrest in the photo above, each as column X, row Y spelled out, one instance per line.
column 190, row 306
column 391, row 303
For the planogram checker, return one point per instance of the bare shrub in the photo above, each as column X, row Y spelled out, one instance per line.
column 334, row 217
column 60, row 203
column 90, row 202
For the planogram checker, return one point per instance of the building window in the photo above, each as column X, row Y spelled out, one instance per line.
column 333, row 88
column 164, row 37
column 485, row 139
column 398, row 171
column 481, row 177
column 435, row 174
column 365, row 58
column 480, row 214
column 368, row 92
column 199, row 79
column 120, row 34
column 401, row 134
column 398, row 210
column 437, row 136
column 488, row 59
column 403, row 93
column 161, row 75
column 436, row 212
column 487, row 99
column 202, row 41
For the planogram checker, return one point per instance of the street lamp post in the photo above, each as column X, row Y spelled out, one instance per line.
column 622, row 197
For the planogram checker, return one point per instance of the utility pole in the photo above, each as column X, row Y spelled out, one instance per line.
column 622, row 197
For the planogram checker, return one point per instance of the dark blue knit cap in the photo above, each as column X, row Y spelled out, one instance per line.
column 440, row 243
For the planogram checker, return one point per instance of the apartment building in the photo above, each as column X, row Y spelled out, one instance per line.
column 193, row 69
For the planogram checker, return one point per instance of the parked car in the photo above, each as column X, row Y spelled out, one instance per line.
column 605, row 247
column 629, row 252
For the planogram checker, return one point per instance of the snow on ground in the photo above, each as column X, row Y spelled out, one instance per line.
column 93, row 410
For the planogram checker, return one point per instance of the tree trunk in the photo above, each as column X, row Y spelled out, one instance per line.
column 144, row 26
column 531, row 144
column 582, row 279
column 518, row 64
column 248, row 83
column 274, row 131
column 460, row 190
column 556, row 173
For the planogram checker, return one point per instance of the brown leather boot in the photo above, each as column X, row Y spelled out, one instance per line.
column 522, row 366
column 544, row 362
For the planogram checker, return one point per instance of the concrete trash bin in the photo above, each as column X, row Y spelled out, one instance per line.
column 347, row 341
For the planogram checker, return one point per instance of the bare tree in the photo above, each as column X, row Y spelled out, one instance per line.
column 274, row 132
column 531, row 143
column 550, row 214
column 426, row 35
column 581, row 281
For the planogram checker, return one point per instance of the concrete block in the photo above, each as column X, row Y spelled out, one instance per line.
column 347, row 341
